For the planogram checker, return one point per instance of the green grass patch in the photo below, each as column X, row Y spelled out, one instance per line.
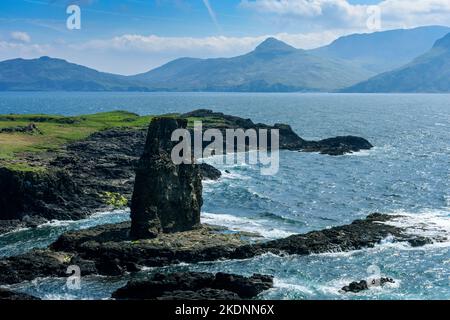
column 56, row 131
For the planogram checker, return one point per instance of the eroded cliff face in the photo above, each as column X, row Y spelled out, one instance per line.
column 46, row 194
column 166, row 197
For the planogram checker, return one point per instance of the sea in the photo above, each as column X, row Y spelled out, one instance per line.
column 407, row 173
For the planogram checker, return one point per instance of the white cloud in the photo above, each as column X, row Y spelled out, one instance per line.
column 342, row 14
column 130, row 54
column 20, row 36
column 206, row 46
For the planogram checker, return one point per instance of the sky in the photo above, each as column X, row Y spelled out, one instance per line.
column 134, row 36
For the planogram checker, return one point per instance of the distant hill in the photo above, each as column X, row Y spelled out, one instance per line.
column 272, row 66
column 383, row 51
column 49, row 74
column 428, row 73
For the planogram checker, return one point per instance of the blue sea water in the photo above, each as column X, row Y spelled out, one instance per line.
column 407, row 172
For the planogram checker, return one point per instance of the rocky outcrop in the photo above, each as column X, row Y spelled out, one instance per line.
column 195, row 286
column 109, row 246
column 360, row 234
column 75, row 179
column 166, row 197
column 208, row 172
column 363, row 285
column 289, row 140
column 48, row 194
column 15, row 296
column 338, row 146
column 106, row 249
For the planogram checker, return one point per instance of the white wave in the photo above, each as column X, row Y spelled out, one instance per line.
column 64, row 223
column 433, row 224
column 19, row 229
column 234, row 176
column 279, row 284
column 262, row 227
column 361, row 153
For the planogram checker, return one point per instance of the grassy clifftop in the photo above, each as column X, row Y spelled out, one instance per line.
column 24, row 134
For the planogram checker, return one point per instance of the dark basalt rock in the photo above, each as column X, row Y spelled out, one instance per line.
column 167, row 197
column 195, row 286
column 363, row 285
column 77, row 176
column 202, row 294
column 338, row 146
column 109, row 247
column 208, row 172
column 46, row 194
column 289, row 140
column 106, row 249
column 11, row 295
column 26, row 267
column 360, row 234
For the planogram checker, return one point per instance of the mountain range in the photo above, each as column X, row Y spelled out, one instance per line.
column 383, row 51
column 429, row 73
column 350, row 64
column 272, row 66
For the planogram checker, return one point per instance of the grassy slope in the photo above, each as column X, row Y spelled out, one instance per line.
column 59, row 130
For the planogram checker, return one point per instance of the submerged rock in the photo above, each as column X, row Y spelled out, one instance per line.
column 166, row 197
column 363, row 285
column 195, row 286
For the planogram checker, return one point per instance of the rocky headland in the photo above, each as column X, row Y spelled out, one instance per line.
column 97, row 172
column 165, row 226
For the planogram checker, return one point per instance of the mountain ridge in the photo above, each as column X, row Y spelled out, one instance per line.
column 273, row 66
column 428, row 73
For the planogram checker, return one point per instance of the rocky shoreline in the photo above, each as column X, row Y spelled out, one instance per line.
column 107, row 250
column 97, row 173
column 165, row 201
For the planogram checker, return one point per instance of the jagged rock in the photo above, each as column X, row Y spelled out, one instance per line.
column 208, row 172
column 75, row 178
column 195, row 286
column 363, row 285
column 109, row 247
column 40, row 263
column 11, row 295
column 339, row 145
column 43, row 194
column 166, row 197
column 106, row 249
column 360, row 234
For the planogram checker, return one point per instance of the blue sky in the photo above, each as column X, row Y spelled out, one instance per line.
column 131, row 36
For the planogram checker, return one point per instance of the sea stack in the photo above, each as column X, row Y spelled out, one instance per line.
column 166, row 197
